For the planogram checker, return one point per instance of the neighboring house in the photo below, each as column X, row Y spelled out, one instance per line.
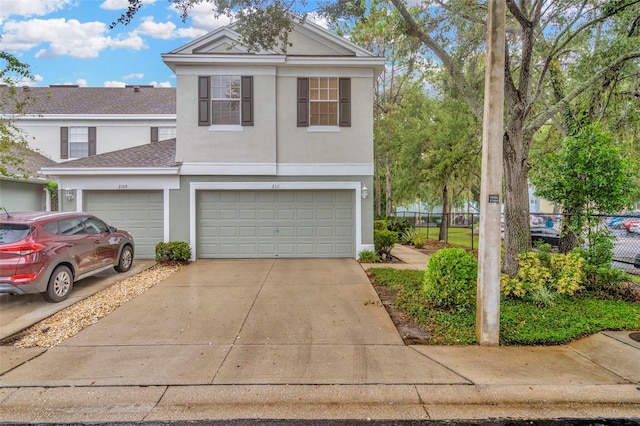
column 273, row 154
column 65, row 122
column 23, row 188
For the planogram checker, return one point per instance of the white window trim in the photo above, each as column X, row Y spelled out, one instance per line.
column 226, row 128
column 324, row 129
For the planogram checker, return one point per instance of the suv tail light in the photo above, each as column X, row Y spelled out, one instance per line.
column 22, row 249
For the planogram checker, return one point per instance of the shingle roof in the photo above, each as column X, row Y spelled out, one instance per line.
column 32, row 162
column 94, row 100
column 154, row 154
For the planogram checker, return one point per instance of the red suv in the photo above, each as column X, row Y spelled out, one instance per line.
column 46, row 252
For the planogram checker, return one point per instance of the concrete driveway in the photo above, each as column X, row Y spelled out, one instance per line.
column 241, row 322
column 22, row 311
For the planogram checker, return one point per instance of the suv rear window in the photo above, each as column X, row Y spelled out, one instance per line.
column 10, row 232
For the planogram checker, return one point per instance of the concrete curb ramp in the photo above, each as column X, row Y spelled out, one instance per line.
column 299, row 339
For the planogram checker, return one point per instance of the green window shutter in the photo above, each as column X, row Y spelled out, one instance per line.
column 64, row 143
column 303, row 102
column 345, row 102
column 204, row 103
column 247, row 100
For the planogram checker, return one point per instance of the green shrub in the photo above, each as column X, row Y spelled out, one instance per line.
column 450, row 279
column 384, row 241
column 599, row 248
column 368, row 256
column 176, row 251
column 408, row 236
column 541, row 272
column 399, row 226
column 568, row 272
column 532, row 276
column 420, row 241
column 380, row 225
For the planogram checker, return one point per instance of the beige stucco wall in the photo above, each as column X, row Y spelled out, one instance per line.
column 346, row 145
column 253, row 144
column 110, row 136
column 275, row 136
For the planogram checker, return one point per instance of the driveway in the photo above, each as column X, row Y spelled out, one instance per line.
column 22, row 311
column 241, row 322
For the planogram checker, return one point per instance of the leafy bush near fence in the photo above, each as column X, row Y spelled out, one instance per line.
column 399, row 226
column 176, row 251
column 384, row 241
column 380, row 224
column 450, row 279
column 543, row 275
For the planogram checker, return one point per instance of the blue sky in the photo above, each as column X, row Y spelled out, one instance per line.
column 69, row 41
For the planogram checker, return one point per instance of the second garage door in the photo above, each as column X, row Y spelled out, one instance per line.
column 247, row 224
column 138, row 212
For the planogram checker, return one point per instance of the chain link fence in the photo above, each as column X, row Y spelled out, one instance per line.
column 463, row 229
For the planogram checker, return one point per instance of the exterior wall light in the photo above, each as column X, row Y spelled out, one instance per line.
column 365, row 192
column 68, row 193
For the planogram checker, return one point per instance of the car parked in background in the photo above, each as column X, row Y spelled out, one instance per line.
column 46, row 252
column 546, row 235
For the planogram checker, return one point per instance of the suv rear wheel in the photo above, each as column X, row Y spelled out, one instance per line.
column 60, row 285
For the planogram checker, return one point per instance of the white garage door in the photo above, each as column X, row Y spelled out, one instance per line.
column 139, row 212
column 248, row 224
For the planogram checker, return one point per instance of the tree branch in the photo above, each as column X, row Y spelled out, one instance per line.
column 549, row 112
column 414, row 30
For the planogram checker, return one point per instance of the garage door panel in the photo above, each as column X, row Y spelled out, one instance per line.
column 275, row 223
column 141, row 213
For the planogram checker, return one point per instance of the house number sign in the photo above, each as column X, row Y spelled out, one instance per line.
column 122, row 186
column 494, row 199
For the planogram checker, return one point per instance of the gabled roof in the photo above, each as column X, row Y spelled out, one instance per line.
column 153, row 155
column 32, row 162
column 310, row 43
column 137, row 100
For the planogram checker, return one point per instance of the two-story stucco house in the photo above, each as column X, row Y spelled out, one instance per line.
column 273, row 155
column 65, row 122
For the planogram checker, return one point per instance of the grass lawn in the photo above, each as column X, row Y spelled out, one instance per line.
column 521, row 323
column 458, row 236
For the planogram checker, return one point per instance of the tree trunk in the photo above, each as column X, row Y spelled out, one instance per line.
column 517, row 233
column 444, row 223
column 387, row 187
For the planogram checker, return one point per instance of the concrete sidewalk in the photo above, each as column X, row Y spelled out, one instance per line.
column 300, row 339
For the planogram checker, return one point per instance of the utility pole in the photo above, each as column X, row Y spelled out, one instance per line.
column 488, row 302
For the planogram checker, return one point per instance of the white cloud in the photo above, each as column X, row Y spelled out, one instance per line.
column 119, row 4
column 64, row 37
column 203, row 18
column 156, row 84
column 138, row 75
column 27, row 8
column 162, row 31
column 318, row 19
column 28, row 81
column 114, row 84
column 82, row 82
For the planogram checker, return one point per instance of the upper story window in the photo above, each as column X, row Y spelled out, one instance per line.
column 162, row 133
column 324, row 101
column 77, row 142
column 225, row 100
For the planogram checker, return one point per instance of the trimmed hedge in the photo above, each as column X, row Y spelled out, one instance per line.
column 173, row 251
